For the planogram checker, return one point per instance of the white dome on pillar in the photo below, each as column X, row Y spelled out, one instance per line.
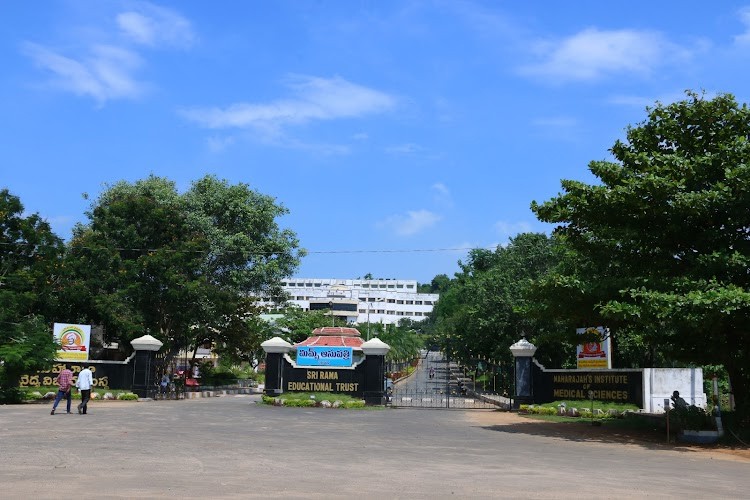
column 146, row 343
column 523, row 348
column 375, row 347
column 276, row 345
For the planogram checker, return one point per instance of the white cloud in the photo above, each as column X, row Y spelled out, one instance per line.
column 555, row 122
column 509, row 229
column 593, row 54
column 218, row 144
column 404, row 149
column 151, row 25
column 314, row 99
column 104, row 66
column 442, row 194
column 105, row 73
column 410, row 223
column 643, row 102
column 744, row 38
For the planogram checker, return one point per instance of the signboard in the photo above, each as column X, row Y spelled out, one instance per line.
column 73, row 341
column 105, row 376
column 621, row 386
column 324, row 356
column 596, row 351
column 316, row 380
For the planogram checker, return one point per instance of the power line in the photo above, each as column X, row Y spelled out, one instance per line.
column 229, row 252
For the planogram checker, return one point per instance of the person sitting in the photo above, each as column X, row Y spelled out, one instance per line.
column 677, row 401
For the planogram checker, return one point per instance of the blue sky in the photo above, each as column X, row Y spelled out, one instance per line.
column 385, row 127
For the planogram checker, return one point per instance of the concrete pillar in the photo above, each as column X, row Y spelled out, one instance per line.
column 375, row 351
column 143, row 365
column 523, row 351
column 275, row 349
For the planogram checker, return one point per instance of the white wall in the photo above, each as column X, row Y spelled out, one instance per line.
column 660, row 383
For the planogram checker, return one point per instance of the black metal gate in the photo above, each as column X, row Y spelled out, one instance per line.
column 438, row 382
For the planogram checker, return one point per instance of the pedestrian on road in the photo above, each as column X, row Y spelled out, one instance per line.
column 164, row 385
column 64, row 381
column 84, row 383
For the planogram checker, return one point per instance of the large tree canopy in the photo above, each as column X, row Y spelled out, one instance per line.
column 29, row 263
column 484, row 310
column 180, row 266
column 663, row 241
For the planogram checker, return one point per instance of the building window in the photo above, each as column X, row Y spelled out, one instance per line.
column 410, row 302
column 391, row 301
column 399, row 286
column 317, row 284
column 365, row 285
column 409, row 286
column 418, row 302
column 399, row 302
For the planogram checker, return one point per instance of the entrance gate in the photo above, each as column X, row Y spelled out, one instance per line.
column 440, row 383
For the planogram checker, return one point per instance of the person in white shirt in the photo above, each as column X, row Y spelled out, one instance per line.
column 84, row 383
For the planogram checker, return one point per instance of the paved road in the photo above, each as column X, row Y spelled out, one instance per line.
column 230, row 447
column 419, row 390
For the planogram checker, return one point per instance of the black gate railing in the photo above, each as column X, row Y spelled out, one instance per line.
column 438, row 382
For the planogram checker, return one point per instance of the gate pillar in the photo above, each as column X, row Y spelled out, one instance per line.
column 523, row 351
column 275, row 349
column 374, row 390
column 144, row 366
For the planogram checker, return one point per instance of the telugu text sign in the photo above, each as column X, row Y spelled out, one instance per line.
column 324, row 356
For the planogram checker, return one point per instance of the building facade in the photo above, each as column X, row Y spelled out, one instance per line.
column 361, row 300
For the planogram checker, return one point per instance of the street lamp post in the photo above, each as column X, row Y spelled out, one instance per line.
column 369, row 306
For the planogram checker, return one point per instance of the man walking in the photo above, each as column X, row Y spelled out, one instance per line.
column 64, row 380
column 84, row 383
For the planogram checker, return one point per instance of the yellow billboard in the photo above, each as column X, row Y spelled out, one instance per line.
column 73, row 341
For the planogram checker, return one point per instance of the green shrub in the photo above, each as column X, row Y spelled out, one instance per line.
column 33, row 396
column 127, row 396
column 10, row 395
column 691, row 418
column 359, row 403
column 267, row 399
column 302, row 403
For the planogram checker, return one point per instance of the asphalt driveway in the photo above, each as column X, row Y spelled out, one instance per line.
column 231, row 447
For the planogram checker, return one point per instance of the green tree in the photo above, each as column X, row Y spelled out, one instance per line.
column 179, row 267
column 29, row 263
column 664, row 239
column 404, row 341
column 485, row 308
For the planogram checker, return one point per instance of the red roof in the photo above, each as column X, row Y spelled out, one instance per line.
column 333, row 336
column 337, row 330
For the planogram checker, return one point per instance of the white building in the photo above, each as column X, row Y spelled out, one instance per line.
column 359, row 301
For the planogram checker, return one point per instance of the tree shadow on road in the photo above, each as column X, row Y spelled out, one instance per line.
column 609, row 433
